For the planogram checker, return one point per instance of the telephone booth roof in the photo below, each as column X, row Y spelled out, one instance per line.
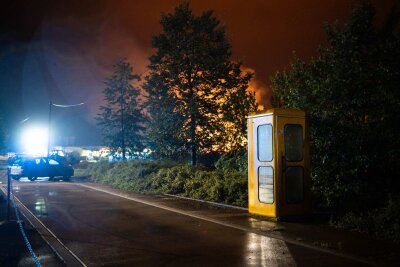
column 286, row 112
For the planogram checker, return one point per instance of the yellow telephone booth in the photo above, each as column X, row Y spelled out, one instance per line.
column 279, row 173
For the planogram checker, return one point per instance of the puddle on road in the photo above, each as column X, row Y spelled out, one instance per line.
column 40, row 207
column 16, row 188
column 53, row 193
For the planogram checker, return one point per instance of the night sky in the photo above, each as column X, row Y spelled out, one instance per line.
column 63, row 50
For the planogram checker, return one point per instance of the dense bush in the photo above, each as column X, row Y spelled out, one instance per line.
column 226, row 182
column 171, row 180
column 384, row 222
column 351, row 94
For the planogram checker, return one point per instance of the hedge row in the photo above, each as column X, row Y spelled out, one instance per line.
column 226, row 182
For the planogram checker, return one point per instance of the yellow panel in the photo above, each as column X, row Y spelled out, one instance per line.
column 280, row 117
column 286, row 112
column 255, row 206
column 301, row 208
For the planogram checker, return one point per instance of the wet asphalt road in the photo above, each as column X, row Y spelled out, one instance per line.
column 106, row 230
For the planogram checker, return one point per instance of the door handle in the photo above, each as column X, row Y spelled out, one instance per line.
column 283, row 163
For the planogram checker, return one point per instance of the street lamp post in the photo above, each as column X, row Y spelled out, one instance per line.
column 51, row 104
column 49, row 130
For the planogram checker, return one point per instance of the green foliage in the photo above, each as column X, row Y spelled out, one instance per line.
column 211, row 189
column 235, row 187
column 233, row 169
column 384, row 222
column 171, row 180
column 121, row 118
column 236, row 161
column 163, row 126
column 350, row 92
column 99, row 170
column 226, row 183
column 197, row 97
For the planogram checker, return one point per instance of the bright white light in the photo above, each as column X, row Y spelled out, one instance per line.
column 34, row 140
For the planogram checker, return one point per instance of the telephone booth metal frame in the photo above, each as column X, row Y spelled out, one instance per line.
column 279, row 163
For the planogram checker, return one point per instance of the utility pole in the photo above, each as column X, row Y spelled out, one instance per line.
column 8, row 193
column 49, row 126
column 49, row 131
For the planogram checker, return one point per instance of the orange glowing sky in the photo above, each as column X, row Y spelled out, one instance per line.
column 264, row 34
column 63, row 50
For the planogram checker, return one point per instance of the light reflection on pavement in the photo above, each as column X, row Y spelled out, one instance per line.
column 265, row 251
column 129, row 233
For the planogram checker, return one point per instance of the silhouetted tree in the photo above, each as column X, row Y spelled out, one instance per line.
column 198, row 97
column 121, row 119
column 164, row 126
column 351, row 94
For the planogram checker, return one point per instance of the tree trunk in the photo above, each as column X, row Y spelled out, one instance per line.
column 123, row 126
column 193, row 147
column 193, row 153
column 123, row 152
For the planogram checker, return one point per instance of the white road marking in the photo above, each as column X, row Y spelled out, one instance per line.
column 46, row 229
column 245, row 229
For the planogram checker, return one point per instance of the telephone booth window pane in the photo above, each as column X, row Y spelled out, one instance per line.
column 294, row 142
column 264, row 146
column 266, row 184
column 294, row 184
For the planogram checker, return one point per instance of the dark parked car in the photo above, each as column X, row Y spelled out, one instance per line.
column 40, row 167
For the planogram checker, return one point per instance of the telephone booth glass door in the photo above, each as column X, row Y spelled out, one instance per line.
column 278, row 163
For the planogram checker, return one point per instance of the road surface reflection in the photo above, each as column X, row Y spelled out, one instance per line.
column 265, row 251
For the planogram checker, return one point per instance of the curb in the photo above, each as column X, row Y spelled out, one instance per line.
column 237, row 227
column 58, row 247
column 227, row 206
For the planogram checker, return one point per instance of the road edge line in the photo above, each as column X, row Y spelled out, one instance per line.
column 237, row 227
column 221, row 205
column 49, row 231
column 3, row 190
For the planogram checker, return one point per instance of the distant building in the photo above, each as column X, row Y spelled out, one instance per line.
column 89, row 153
